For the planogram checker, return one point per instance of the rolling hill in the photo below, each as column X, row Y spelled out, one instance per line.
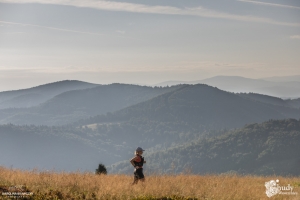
column 202, row 105
column 73, row 105
column 292, row 103
column 270, row 86
column 34, row 96
column 179, row 117
column 270, row 148
column 160, row 118
column 49, row 148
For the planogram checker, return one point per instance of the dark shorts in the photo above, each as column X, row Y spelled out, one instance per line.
column 138, row 173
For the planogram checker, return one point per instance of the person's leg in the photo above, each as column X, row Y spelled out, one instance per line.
column 141, row 175
column 136, row 178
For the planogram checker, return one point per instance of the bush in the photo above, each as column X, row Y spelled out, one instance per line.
column 101, row 169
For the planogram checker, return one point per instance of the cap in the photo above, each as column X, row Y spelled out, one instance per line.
column 139, row 149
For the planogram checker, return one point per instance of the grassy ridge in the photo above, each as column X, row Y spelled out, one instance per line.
column 50, row 185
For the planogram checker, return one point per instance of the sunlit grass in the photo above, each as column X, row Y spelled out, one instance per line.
column 52, row 185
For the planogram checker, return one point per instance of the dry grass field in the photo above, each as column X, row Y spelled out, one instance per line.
column 51, row 185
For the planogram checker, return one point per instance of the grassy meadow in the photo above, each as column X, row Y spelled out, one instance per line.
column 52, row 185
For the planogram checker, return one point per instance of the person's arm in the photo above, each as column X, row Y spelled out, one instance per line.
column 131, row 161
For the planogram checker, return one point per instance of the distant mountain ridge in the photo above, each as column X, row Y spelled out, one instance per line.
column 155, row 118
column 295, row 103
column 71, row 106
column 237, row 84
column 34, row 96
column 202, row 104
column 283, row 78
column 76, row 103
column 181, row 116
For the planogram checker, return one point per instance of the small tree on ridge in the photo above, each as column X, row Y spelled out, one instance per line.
column 101, row 169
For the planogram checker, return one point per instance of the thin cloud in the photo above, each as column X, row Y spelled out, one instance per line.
column 48, row 27
column 121, row 32
column 9, row 33
column 269, row 4
column 141, row 8
column 61, row 29
column 295, row 37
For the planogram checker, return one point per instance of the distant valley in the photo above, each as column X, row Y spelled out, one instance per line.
column 76, row 128
column 263, row 149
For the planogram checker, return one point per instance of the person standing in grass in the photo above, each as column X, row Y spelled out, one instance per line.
column 137, row 162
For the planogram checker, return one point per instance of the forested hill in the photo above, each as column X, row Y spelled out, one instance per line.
column 50, row 148
column 34, row 96
column 263, row 149
column 293, row 103
column 199, row 105
column 73, row 105
column 287, row 87
column 170, row 117
column 102, row 99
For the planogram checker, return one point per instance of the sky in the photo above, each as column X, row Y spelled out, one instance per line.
column 146, row 41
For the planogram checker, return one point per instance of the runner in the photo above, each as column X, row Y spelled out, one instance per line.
column 137, row 162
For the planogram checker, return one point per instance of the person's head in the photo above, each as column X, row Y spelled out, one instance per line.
column 139, row 151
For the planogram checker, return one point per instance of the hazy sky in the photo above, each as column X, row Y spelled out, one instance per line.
column 146, row 41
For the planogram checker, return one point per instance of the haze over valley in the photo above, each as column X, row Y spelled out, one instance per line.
column 205, row 87
column 81, row 124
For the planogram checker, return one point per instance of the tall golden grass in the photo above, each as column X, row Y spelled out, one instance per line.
column 52, row 185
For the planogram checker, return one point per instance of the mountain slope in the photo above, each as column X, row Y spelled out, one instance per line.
column 292, row 103
column 266, row 99
column 180, row 115
column 24, row 101
column 49, row 148
column 36, row 95
column 240, row 84
column 263, row 149
column 203, row 105
column 79, row 104
column 237, row 84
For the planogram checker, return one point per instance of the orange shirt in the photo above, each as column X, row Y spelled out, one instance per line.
column 137, row 159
